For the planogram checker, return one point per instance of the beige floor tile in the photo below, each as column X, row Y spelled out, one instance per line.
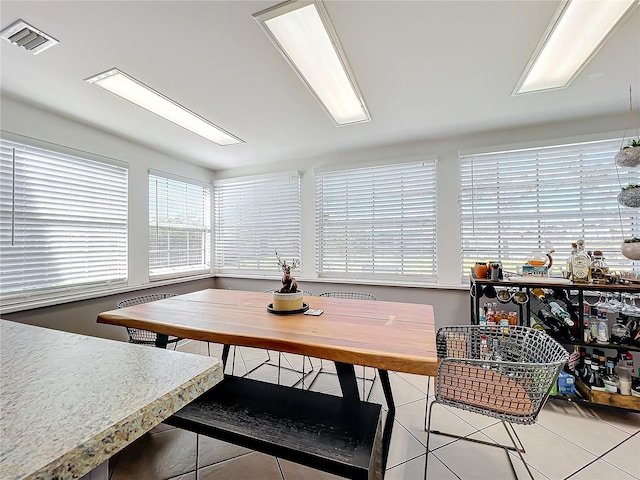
column 157, row 457
column 324, row 382
column 162, row 427
column 403, row 447
column 213, row 451
column 186, row 476
column 546, row 451
column 570, row 422
column 414, row 470
column 601, row 470
column 403, row 391
column 418, row 381
column 626, row 456
column 623, row 419
column 252, row 466
column 293, row 471
column 189, row 346
column 474, row 461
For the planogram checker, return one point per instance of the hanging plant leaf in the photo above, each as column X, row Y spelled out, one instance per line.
column 628, row 156
column 630, row 196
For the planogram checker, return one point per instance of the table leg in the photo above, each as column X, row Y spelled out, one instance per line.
column 225, row 355
column 348, row 383
column 391, row 414
column 162, row 340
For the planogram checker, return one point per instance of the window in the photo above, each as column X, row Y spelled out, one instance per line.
column 377, row 222
column 255, row 217
column 517, row 201
column 63, row 222
column 179, row 226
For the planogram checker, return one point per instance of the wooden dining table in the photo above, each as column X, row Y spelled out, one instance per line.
column 388, row 336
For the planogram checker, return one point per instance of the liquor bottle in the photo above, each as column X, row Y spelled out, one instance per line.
column 611, row 380
column 603, row 330
column 586, row 372
column 580, row 271
column 484, row 351
column 599, row 268
column 568, row 272
column 580, row 365
column 595, row 380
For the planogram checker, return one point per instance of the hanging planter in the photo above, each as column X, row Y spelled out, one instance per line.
column 629, row 156
column 630, row 196
column 631, row 248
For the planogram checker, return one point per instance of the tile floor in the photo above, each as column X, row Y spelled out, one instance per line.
column 569, row 441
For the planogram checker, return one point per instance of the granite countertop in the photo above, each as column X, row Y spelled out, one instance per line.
column 69, row 402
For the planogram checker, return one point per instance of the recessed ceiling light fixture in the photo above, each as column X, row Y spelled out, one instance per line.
column 303, row 34
column 576, row 32
column 130, row 89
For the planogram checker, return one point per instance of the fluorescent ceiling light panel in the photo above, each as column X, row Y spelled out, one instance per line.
column 130, row 89
column 303, row 34
column 575, row 34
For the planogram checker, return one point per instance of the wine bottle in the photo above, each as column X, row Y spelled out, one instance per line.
column 550, row 327
column 556, row 324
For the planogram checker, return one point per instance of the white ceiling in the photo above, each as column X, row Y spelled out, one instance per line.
column 426, row 69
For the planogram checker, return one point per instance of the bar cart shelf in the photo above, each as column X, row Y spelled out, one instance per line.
column 576, row 293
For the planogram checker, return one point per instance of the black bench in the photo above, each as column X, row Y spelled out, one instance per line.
column 324, row 432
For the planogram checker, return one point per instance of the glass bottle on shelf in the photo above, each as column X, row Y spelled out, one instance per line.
column 599, row 268
column 595, row 380
column 586, row 372
column 611, row 380
column 603, row 330
column 580, row 271
column 619, row 332
column 568, row 269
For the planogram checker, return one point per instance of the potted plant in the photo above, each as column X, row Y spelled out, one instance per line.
column 288, row 298
column 631, row 248
column 629, row 155
column 630, row 196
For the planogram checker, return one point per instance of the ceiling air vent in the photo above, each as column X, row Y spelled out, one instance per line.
column 31, row 39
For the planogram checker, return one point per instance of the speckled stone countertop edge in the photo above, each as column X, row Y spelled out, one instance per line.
column 97, row 450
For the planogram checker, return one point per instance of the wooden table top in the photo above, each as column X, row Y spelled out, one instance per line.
column 386, row 335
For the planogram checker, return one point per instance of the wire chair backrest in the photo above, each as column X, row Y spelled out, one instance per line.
column 137, row 335
column 354, row 295
column 150, row 297
column 498, row 359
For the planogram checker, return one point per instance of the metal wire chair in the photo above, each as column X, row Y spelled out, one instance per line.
column 364, row 378
column 354, row 295
column 504, row 372
column 145, row 337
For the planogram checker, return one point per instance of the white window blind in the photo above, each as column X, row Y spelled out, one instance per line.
column 377, row 222
column 254, row 217
column 179, row 226
column 514, row 202
column 63, row 223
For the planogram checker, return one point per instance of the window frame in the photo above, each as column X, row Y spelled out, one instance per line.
column 257, row 216
column 370, row 177
column 77, row 210
column 192, row 190
column 593, row 169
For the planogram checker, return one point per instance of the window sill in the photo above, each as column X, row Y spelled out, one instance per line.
column 49, row 302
